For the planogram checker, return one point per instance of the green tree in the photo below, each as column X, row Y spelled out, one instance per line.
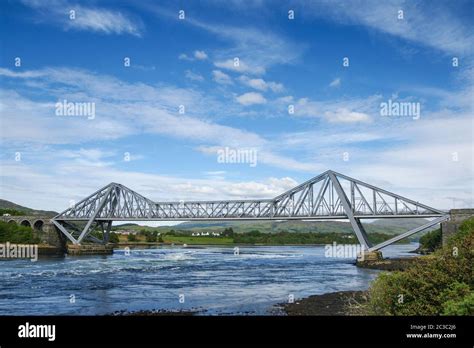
column 228, row 232
column 431, row 240
column 151, row 237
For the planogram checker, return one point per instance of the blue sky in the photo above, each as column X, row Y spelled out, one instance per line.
column 336, row 122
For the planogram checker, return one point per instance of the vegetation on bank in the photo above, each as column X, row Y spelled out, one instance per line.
column 255, row 237
column 431, row 241
column 17, row 234
column 113, row 237
column 228, row 237
column 384, row 226
column 441, row 284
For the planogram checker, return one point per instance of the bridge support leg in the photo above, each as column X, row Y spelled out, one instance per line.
column 355, row 222
column 64, row 231
column 106, row 231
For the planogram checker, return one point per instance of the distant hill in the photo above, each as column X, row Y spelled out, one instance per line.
column 4, row 204
column 386, row 226
column 407, row 223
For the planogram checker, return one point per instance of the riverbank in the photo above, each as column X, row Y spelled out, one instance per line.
column 154, row 313
column 391, row 264
column 333, row 303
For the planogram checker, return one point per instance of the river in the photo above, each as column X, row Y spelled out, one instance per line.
column 211, row 280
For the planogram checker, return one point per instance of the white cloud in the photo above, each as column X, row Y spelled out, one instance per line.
column 184, row 56
column 346, row 116
column 197, row 55
column 72, row 179
column 193, row 76
column 336, row 111
column 221, row 78
column 242, row 67
column 434, row 24
column 335, row 83
column 122, row 109
column 86, row 18
column 251, row 98
column 200, row 55
column 261, row 84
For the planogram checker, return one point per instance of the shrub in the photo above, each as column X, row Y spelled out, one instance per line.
column 113, row 238
column 151, row 237
column 13, row 233
column 464, row 306
column 132, row 238
column 441, row 284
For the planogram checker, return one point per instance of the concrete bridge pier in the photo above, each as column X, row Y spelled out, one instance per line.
column 450, row 227
column 366, row 255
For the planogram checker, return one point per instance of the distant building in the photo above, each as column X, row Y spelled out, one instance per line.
column 126, row 232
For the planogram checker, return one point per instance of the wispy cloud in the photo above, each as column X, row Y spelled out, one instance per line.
column 335, row 83
column 72, row 16
column 193, row 76
column 343, row 110
column 430, row 23
column 123, row 109
column 256, row 49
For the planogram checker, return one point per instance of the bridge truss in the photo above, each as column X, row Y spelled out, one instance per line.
column 329, row 196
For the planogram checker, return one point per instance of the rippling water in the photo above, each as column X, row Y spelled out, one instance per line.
column 212, row 279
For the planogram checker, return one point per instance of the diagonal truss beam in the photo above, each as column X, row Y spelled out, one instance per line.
column 408, row 233
column 91, row 220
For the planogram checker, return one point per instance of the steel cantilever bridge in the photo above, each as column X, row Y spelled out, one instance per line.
column 329, row 196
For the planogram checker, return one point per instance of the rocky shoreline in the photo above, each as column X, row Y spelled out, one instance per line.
column 395, row 264
column 153, row 313
column 339, row 303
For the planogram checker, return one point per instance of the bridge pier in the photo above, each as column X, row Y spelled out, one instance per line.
column 457, row 216
column 89, row 249
column 369, row 256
